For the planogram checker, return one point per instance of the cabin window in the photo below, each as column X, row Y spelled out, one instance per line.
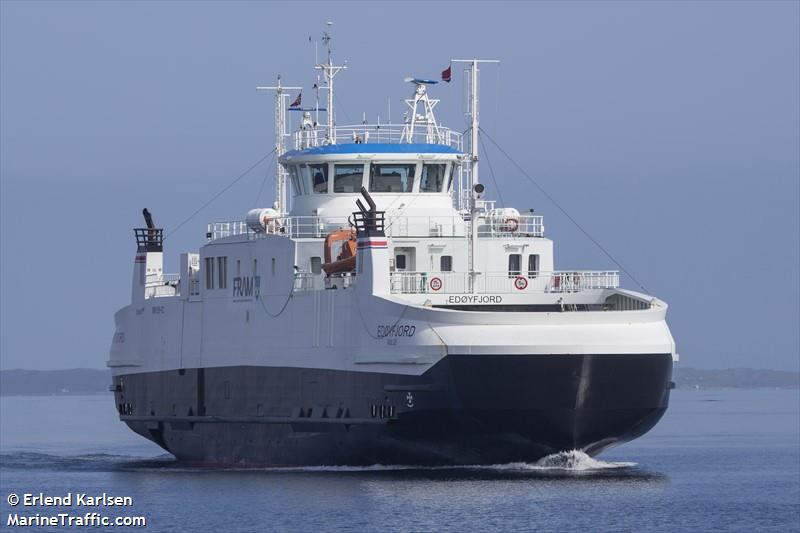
column 255, row 266
column 533, row 265
column 319, row 178
column 391, row 178
column 432, row 177
column 316, row 265
column 450, row 178
column 400, row 262
column 347, row 178
column 209, row 273
column 294, row 174
column 222, row 270
column 514, row 264
column 273, row 266
column 304, row 175
column 446, row 263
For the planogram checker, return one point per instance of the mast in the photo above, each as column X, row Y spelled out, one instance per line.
column 475, row 187
column 281, row 95
column 330, row 70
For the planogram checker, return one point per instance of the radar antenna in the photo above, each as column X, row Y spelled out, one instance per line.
column 426, row 117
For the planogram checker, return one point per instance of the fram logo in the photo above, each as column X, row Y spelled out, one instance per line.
column 246, row 286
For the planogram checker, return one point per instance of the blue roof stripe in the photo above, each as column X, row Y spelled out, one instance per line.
column 374, row 148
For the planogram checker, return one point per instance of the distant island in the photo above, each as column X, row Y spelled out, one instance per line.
column 78, row 381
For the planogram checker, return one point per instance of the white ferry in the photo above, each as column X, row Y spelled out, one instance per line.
column 383, row 311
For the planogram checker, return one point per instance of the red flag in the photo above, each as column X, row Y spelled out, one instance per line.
column 446, row 74
column 297, row 100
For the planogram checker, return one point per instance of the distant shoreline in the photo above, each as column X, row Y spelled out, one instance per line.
column 88, row 381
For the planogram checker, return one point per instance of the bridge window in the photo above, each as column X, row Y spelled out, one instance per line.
column 297, row 181
column 319, row 178
column 432, row 177
column 533, row 265
column 514, row 264
column 391, row 178
column 450, row 177
column 347, row 178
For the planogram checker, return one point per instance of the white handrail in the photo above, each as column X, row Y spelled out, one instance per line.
column 404, row 282
column 378, row 133
column 396, row 226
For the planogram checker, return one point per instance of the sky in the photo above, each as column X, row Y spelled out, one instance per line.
column 669, row 130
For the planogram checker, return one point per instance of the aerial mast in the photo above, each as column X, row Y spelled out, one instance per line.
column 475, row 187
column 281, row 94
column 330, row 70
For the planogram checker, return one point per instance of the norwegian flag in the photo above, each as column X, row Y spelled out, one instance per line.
column 297, row 101
column 446, row 74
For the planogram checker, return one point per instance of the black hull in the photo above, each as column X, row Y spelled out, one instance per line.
column 467, row 409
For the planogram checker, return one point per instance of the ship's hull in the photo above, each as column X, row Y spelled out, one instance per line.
column 466, row 409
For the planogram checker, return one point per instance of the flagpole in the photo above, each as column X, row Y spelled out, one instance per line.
column 475, row 188
column 280, row 141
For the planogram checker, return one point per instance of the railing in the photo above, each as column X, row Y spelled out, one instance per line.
column 160, row 285
column 305, row 281
column 502, row 282
column 396, row 226
column 379, row 133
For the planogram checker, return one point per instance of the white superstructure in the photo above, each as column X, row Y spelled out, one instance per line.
column 429, row 283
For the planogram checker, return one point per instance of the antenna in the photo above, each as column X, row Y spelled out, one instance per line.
column 281, row 94
column 426, row 118
column 330, row 70
column 475, row 187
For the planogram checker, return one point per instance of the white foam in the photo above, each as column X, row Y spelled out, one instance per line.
column 578, row 461
column 568, row 461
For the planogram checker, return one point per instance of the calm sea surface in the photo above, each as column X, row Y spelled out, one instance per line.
column 720, row 460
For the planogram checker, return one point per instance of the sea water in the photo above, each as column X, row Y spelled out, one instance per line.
column 720, row 460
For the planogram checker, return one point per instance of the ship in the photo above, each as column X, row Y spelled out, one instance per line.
column 383, row 310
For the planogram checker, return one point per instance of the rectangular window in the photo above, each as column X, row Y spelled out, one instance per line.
column 222, row 269
column 533, row 265
column 273, row 266
column 400, row 262
column 450, row 177
column 304, row 177
column 432, row 177
column 255, row 267
column 514, row 264
column 209, row 273
column 446, row 263
column 347, row 178
column 238, row 267
column 391, row 178
column 316, row 265
column 319, row 178
column 295, row 177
